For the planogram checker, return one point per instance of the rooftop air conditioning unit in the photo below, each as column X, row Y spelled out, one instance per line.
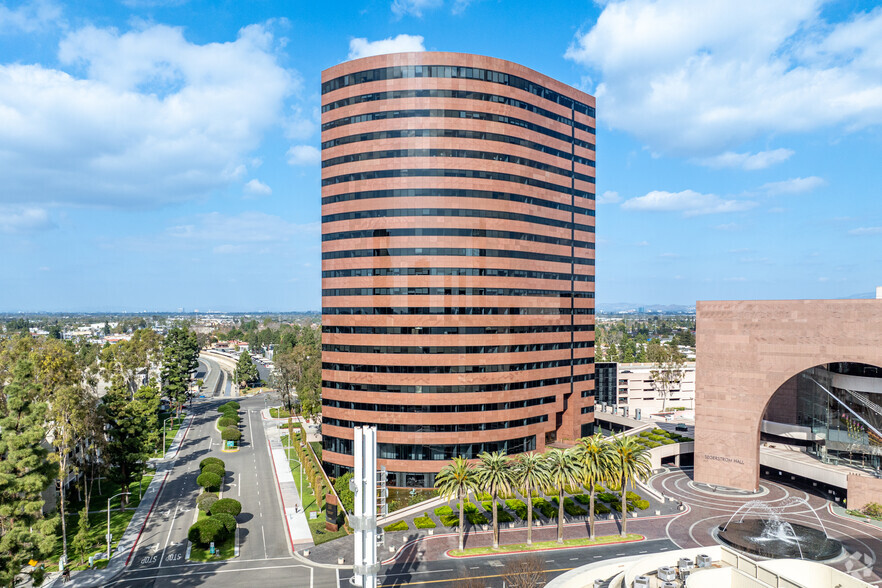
column 685, row 563
column 703, row 560
column 598, row 583
column 684, row 574
column 667, row 574
column 641, row 582
column 669, row 585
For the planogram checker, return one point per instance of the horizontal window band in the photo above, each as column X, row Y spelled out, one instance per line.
column 452, row 310
column 457, row 72
column 447, row 291
column 434, row 452
column 457, row 389
column 457, row 114
column 456, row 369
column 438, row 408
column 456, row 349
column 435, row 428
column 454, row 271
column 459, row 95
column 455, row 252
column 469, row 233
column 454, row 173
column 455, row 212
column 508, row 330
column 457, row 134
column 455, row 154
column 454, row 193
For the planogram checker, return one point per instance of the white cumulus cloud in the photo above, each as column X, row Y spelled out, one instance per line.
column 793, row 186
column 24, row 219
column 747, row 161
column 361, row 47
column 255, row 188
column 30, row 17
column 304, row 155
column 698, row 77
column 414, row 7
column 689, row 202
column 146, row 118
column 609, row 197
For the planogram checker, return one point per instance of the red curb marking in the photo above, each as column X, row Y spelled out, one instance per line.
column 447, row 553
column 158, row 494
column 147, row 518
column 281, row 496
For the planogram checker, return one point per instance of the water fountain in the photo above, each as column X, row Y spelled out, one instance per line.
column 766, row 534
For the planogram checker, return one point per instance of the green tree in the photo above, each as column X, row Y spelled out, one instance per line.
column 455, row 481
column 564, row 470
column 128, row 361
column 630, row 463
column 180, row 351
column 530, row 474
column 131, row 423
column 80, row 541
column 667, row 372
column 595, row 455
column 25, row 471
column 495, row 476
column 246, row 371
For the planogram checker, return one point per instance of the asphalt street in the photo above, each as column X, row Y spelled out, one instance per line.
column 159, row 557
column 491, row 569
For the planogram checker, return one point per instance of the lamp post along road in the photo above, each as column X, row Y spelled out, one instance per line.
column 108, row 518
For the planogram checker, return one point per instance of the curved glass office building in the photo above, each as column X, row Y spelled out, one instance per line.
column 457, row 260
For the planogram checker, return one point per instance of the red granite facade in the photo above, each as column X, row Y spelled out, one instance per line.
column 457, row 259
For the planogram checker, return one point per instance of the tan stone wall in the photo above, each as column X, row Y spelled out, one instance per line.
column 746, row 350
column 863, row 490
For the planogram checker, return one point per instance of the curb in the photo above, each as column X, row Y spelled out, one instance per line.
column 544, row 549
column 316, row 564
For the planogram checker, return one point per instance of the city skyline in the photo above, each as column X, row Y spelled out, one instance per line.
column 166, row 154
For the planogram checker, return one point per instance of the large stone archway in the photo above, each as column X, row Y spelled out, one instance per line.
column 746, row 350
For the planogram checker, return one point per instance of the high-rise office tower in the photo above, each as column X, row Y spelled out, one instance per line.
column 457, row 260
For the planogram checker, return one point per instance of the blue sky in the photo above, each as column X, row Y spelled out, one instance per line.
column 163, row 154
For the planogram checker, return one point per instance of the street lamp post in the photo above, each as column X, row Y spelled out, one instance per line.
column 299, row 467
column 108, row 519
column 163, row 433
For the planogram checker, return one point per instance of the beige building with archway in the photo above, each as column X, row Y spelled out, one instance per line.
column 746, row 352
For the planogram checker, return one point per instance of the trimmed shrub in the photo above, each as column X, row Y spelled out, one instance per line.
column 347, row 496
column 600, row 508
column 222, row 408
column 205, row 495
column 227, row 520
column 473, row 516
column 227, row 505
column 447, row 516
column 608, row 497
column 571, row 509
column 206, row 503
column 231, row 434
column 215, row 469
column 232, row 403
column 209, row 480
column 658, row 431
column 424, row 522
column 518, row 507
column 874, row 509
column 638, row 504
column 231, row 414
column 502, row 515
column 399, row 526
column 226, row 421
column 482, row 496
column 545, row 507
column 209, row 460
column 206, row 530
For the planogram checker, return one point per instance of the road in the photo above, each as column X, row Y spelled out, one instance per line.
column 490, row 570
column 158, row 558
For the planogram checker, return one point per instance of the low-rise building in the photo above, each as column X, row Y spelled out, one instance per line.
column 637, row 390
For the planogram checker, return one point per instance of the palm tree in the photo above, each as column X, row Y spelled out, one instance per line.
column 564, row 470
column 631, row 461
column 596, row 458
column 495, row 476
column 456, row 480
column 531, row 473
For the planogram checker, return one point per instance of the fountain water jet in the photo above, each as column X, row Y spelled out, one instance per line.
column 769, row 536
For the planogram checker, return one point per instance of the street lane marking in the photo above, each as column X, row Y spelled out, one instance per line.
column 265, row 554
column 167, row 537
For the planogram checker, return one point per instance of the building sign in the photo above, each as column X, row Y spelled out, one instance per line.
column 725, row 459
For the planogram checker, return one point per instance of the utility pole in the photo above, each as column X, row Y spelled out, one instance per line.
column 364, row 522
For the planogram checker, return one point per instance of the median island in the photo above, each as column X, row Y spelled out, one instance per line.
column 545, row 545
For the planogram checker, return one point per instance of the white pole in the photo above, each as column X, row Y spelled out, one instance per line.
column 364, row 521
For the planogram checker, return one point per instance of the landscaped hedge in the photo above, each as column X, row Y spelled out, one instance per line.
column 399, row 526
column 473, row 515
column 502, row 515
column 215, row 469
column 226, row 421
column 608, row 497
column 232, row 403
column 447, row 517
column 518, row 507
column 571, row 509
column 600, row 508
column 228, row 506
column 545, row 507
column 227, row 520
column 209, row 460
column 206, row 530
column 209, row 480
column 206, row 503
column 231, row 434
column 424, row 522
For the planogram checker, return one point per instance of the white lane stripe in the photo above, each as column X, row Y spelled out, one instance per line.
column 167, row 537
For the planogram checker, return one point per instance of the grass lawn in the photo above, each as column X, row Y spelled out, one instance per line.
column 171, row 429
column 108, row 489
column 279, row 413
column 119, row 521
column 223, row 550
column 542, row 545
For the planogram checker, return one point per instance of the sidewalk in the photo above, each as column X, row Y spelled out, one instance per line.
column 295, row 520
column 120, row 558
